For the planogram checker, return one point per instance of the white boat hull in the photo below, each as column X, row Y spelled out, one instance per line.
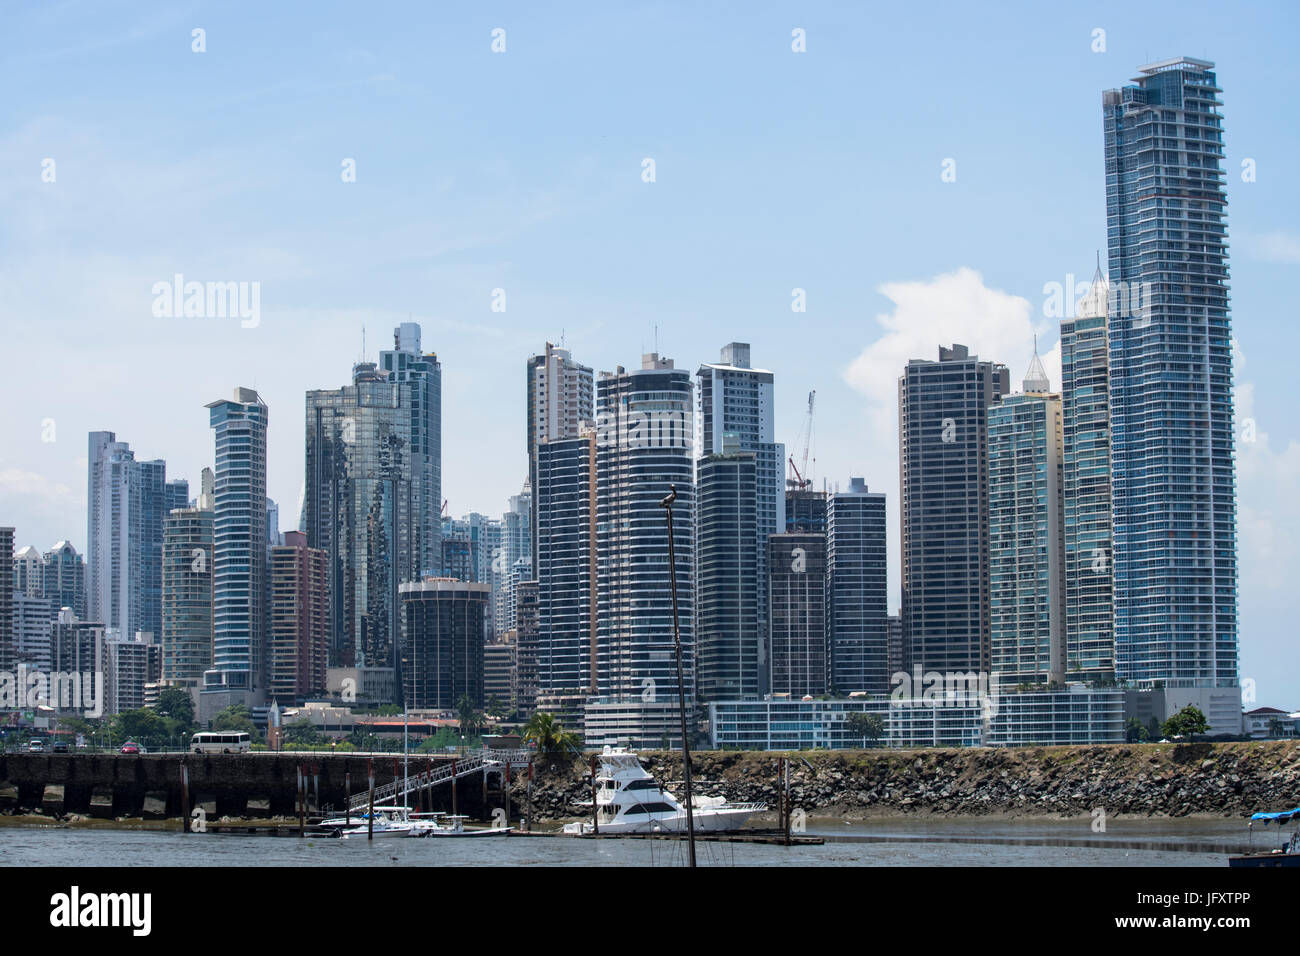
column 719, row 820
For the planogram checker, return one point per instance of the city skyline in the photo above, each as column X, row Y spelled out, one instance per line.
column 998, row 285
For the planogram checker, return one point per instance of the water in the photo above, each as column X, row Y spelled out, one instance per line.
column 885, row 842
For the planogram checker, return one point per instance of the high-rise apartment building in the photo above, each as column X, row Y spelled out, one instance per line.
column 239, row 552
column 29, row 572
column 735, row 415
column 1171, row 406
column 1027, row 533
column 943, row 465
column 126, row 506
column 442, row 655
column 857, row 591
column 562, row 659
column 177, row 494
column 644, row 448
column 731, row 654
column 298, row 642
column 560, row 398
column 526, row 647
column 797, row 598
column 186, row 638
column 8, row 639
column 130, row 665
column 513, row 559
column 1085, row 402
column 65, row 578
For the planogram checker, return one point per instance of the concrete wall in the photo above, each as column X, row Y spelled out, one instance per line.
column 254, row 785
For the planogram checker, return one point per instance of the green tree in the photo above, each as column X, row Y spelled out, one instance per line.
column 177, row 704
column 471, row 720
column 867, row 726
column 302, row 732
column 236, row 718
column 544, row 731
column 1136, row 732
column 494, row 706
column 142, row 726
column 1190, row 721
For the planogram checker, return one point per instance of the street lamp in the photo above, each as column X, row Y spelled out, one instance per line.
column 667, row 505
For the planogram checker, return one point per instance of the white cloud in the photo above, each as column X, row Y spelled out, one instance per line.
column 955, row 306
column 995, row 325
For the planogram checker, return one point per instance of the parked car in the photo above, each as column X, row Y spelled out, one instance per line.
column 130, row 747
column 60, row 748
column 35, row 746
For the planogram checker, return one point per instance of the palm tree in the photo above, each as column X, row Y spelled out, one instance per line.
column 545, row 732
column 470, row 719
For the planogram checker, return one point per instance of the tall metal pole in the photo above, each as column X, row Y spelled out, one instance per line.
column 667, row 505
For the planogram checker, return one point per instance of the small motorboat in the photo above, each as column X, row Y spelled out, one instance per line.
column 1288, row 854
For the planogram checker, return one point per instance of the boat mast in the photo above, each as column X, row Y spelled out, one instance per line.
column 667, row 505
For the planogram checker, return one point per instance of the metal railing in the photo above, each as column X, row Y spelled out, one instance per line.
column 447, row 769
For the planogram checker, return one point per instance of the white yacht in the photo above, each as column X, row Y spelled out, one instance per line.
column 629, row 800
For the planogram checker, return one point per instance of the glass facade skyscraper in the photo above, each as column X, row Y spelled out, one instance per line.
column 1085, row 399
column 644, row 445
column 857, row 591
column 564, row 649
column 735, row 415
column 239, row 552
column 732, row 659
column 943, row 463
column 1171, row 405
column 126, row 505
column 1027, row 534
column 373, row 477
column 187, row 590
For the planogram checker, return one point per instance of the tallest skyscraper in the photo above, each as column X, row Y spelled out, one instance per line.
column 1173, row 483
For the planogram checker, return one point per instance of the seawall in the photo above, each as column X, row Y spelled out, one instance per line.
column 1220, row 779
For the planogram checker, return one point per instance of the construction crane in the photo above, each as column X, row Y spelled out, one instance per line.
column 802, row 479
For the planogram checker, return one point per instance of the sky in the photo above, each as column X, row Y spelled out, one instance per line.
column 924, row 175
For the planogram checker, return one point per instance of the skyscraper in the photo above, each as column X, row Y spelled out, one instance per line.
column 797, row 573
column 373, row 476
column 561, row 658
column 8, row 636
column 177, row 494
column 1027, row 533
column 407, row 364
column 29, row 572
column 560, row 397
column 730, row 653
column 239, row 605
column 299, row 626
column 943, row 464
column 442, row 659
column 857, row 591
column 126, row 507
column 644, row 446
column 735, row 409
column 1085, row 400
column 187, row 589
column 65, row 579
column 1171, row 408
column 514, row 559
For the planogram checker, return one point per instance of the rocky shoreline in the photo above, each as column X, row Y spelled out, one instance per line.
column 1143, row 780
